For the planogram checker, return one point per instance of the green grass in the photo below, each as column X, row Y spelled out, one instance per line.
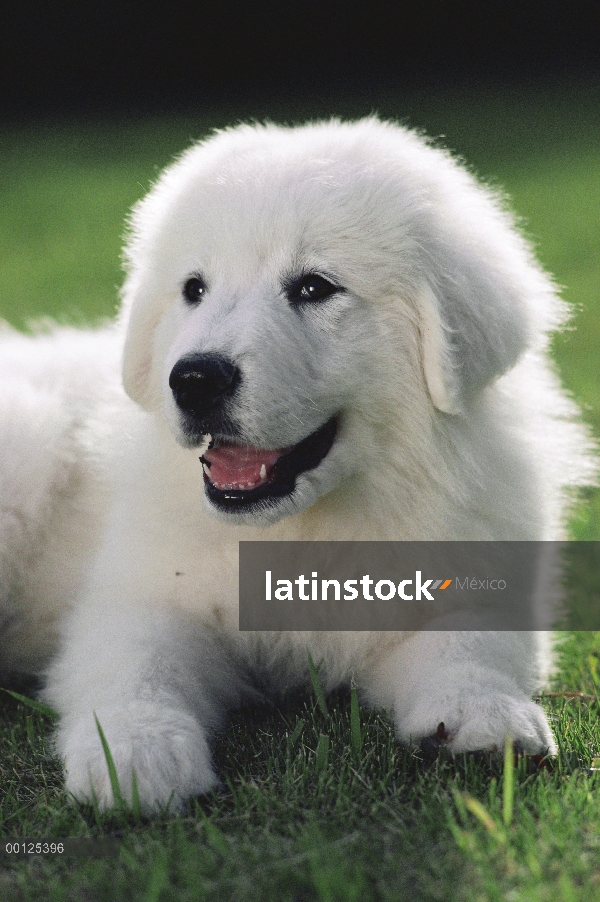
column 306, row 812
column 318, row 799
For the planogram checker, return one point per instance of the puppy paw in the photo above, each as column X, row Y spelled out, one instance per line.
column 166, row 748
column 478, row 723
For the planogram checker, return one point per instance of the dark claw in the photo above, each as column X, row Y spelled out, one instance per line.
column 442, row 734
column 430, row 746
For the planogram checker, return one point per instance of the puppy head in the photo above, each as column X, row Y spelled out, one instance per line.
column 306, row 296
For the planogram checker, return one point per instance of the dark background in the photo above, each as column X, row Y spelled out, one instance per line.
column 76, row 57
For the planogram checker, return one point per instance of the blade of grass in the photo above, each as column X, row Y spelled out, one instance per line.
column 481, row 813
column 314, row 677
column 296, row 733
column 29, row 728
column 32, row 703
column 508, row 782
column 322, row 753
column 95, row 807
column 215, row 837
column 158, row 879
column 356, row 738
column 112, row 770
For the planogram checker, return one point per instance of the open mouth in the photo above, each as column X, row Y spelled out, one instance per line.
column 238, row 476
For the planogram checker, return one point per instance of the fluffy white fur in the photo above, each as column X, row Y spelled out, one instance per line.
column 451, row 426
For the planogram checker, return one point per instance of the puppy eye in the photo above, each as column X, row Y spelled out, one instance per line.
column 311, row 288
column 194, row 290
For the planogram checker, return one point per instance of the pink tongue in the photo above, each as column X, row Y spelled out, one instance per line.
column 232, row 467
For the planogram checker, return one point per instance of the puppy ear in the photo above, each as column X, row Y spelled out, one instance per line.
column 436, row 356
column 140, row 320
column 470, row 335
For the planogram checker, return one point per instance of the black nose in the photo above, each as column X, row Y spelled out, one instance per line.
column 199, row 382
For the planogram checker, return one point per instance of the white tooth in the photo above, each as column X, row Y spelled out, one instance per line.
column 263, row 472
column 206, row 469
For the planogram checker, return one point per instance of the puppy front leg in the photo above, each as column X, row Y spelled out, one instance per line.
column 478, row 684
column 150, row 679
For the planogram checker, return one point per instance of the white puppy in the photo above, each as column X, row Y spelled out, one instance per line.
column 359, row 328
